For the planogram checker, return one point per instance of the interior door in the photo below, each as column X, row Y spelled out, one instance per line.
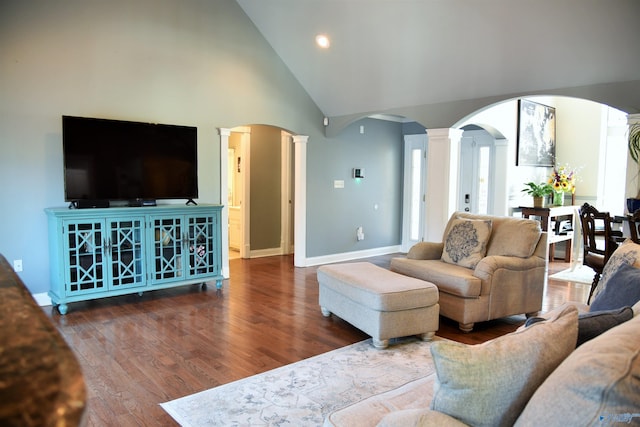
column 477, row 153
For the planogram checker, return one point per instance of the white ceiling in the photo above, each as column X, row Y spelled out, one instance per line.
column 388, row 54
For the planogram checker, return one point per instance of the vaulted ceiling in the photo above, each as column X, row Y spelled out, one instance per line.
column 390, row 54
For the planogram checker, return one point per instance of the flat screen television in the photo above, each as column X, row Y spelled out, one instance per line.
column 114, row 160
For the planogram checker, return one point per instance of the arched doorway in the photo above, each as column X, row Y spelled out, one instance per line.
column 257, row 187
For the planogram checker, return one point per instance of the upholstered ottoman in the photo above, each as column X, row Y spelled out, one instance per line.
column 379, row 302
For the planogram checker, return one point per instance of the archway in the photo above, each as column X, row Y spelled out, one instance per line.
column 256, row 187
column 590, row 138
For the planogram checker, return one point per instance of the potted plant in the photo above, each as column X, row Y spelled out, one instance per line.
column 538, row 192
column 633, row 204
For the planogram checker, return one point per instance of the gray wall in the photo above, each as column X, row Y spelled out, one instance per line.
column 194, row 62
column 339, row 211
column 265, row 187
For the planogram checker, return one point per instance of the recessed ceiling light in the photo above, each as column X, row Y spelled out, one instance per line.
column 323, row 41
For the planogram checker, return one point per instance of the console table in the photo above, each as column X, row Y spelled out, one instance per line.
column 550, row 218
column 104, row 252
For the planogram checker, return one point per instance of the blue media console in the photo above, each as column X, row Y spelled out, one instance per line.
column 104, row 252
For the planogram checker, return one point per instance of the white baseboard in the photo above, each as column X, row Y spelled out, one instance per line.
column 42, row 299
column 260, row 253
column 349, row 256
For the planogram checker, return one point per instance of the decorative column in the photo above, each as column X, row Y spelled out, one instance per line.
column 300, row 200
column 443, row 160
column 500, row 202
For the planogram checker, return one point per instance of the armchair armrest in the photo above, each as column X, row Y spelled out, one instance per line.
column 426, row 250
column 488, row 265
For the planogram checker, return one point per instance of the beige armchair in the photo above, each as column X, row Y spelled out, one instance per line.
column 485, row 268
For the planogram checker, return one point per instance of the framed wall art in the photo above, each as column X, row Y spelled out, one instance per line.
column 536, row 140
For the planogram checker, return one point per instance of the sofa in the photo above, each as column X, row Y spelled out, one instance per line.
column 485, row 268
column 41, row 382
column 575, row 365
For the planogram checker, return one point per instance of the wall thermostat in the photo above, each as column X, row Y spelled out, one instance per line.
column 358, row 173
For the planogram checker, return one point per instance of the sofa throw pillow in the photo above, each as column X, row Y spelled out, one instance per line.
column 466, row 242
column 627, row 253
column 623, row 289
column 489, row 384
column 597, row 385
column 592, row 324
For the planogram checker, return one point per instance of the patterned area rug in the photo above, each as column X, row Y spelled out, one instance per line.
column 303, row 393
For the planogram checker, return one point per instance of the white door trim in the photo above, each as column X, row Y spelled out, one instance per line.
column 224, row 190
column 300, row 198
column 285, row 198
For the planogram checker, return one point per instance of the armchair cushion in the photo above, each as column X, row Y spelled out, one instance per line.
column 489, row 384
column 466, row 242
column 449, row 278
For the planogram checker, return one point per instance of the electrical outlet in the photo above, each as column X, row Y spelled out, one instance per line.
column 17, row 265
column 359, row 234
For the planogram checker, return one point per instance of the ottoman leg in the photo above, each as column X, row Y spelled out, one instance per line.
column 465, row 327
column 381, row 344
column 428, row 336
column 325, row 312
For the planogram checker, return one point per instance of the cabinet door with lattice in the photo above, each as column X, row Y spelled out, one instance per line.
column 202, row 237
column 168, row 248
column 84, row 247
column 125, row 245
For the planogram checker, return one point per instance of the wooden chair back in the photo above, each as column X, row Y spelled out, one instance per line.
column 596, row 227
column 634, row 226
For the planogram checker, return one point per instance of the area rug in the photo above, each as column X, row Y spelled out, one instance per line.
column 303, row 393
column 580, row 274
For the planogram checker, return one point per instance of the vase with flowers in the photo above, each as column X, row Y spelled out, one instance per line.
column 562, row 180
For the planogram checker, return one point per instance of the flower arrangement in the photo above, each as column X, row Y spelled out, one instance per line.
column 563, row 179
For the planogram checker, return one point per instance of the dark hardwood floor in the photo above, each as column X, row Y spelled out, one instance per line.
column 137, row 352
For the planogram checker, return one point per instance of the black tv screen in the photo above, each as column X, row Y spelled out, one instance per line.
column 112, row 160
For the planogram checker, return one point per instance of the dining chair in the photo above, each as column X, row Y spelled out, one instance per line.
column 634, row 226
column 599, row 241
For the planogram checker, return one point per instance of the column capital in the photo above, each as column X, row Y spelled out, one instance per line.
column 444, row 133
column 224, row 132
column 299, row 139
